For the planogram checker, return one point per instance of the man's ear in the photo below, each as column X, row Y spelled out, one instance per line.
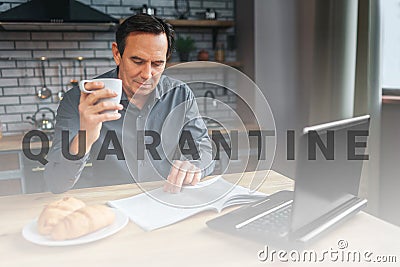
column 116, row 54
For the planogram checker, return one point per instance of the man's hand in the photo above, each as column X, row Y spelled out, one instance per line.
column 91, row 112
column 182, row 173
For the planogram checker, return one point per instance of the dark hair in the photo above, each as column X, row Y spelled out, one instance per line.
column 144, row 23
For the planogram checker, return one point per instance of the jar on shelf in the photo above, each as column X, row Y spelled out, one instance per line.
column 203, row 55
column 219, row 53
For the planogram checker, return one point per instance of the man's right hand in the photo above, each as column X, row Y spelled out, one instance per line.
column 91, row 113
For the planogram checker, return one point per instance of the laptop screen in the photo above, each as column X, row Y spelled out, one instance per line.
column 329, row 161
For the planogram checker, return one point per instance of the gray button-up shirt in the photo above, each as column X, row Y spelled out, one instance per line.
column 170, row 110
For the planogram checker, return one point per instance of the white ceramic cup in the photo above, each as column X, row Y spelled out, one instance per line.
column 109, row 83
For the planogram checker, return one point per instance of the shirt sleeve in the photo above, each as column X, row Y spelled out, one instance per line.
column 60, row 173
column 198, row 129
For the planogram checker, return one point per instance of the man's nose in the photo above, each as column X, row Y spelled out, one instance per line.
column 146, row 71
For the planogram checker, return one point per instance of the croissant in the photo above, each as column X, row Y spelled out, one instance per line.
column 83, row 221
column 53, row 213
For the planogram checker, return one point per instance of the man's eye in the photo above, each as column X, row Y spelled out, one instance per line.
column 137, row 61
column 157, row 64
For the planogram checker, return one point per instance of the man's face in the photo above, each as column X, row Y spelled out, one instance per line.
column 142, row 63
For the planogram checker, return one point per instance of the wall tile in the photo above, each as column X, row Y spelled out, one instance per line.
column 106, row 2
column 119, row 10
column 15, row 54
column 34, row 100
column 16, row 72
column 103, row 53
column 14, row 35
column 94, row 45
column 7, row 64
column 170, row 12
column 77, row 36
column 104, row 36
column 46, row 36
column 21, row 126
column 4, row 100
column 19, row 90
column 63, row 45
column 214, row 4
column 8, row 82
column 28, row 81
column 10, row 118
column 21, row 108
column 53, row 106
column 30, row 45
column 48, row 53
column 99, row 62
column 6, row 45
column 79, row 53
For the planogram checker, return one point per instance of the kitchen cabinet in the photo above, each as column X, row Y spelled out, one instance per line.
column 11, row 167
column 33, row 172
column 15, row 166
column 23, row 174
column 33, row 175
column 10, row 173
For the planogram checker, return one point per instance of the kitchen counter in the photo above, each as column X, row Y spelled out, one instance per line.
column 187, row 243
column 14, row 143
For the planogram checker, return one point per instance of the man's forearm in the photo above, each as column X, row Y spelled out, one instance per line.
column 74, row 146
column 60, row 173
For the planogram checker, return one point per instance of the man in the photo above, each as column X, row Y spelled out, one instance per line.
column 143, row 45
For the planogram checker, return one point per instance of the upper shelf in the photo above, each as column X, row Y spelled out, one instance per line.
column 215, row 25
column 202, row 64
column 202, row 23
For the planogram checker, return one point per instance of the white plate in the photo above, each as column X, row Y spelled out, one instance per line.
column 30, row 233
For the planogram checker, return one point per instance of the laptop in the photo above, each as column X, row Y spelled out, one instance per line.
column 329, row 159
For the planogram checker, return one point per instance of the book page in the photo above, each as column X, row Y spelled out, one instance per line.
column 157, row 208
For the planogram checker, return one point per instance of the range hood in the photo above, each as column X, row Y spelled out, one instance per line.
column 56, row 15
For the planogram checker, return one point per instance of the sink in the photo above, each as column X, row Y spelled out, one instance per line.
column 213, row 125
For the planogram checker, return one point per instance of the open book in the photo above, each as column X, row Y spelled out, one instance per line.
column 156, row 208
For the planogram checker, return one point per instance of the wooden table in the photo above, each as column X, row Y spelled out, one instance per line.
column 188, row 243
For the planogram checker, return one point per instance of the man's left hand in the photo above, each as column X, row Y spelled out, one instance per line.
column 182, row 173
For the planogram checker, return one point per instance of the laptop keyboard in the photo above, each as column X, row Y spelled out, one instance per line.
column 276, row 222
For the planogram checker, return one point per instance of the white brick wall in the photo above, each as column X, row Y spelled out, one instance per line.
column 20, row 76
column 30, row 45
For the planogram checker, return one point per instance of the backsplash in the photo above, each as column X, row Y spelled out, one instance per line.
column 20, row 53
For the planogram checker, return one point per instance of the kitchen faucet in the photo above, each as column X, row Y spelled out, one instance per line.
column 211, row 94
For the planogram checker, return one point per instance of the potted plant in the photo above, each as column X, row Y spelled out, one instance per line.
column 184, row 46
